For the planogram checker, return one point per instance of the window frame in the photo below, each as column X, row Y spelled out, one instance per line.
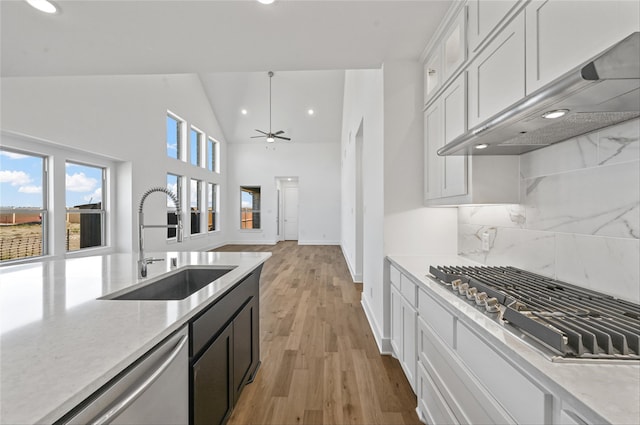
column 200, row 137
column 251, row 189
column 213, row 154
column 43, row 211
column 199, row 207
column 171, row 208
column 213, row 201
column 103, row 208
column 180, row 144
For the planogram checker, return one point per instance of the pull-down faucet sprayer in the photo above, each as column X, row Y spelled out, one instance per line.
column 142, row 262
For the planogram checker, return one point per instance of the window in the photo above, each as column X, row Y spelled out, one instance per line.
column 195, row 142
column 174, row 185
column 212, row 211
column 249, row 207
column 23, row 200
column 213, row 153
column 196, row 206
column 174, row 136
column 84, row 185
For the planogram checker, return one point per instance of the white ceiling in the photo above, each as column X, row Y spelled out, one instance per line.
column 217, row 39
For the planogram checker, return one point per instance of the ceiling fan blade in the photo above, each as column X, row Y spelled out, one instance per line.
column 278, row 132
column 255, row 137
column 280, row 137
column 260, row 131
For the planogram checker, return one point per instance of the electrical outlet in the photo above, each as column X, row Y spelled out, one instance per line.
column 485, row 241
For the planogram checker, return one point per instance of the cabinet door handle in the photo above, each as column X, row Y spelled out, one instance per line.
column 126, row 399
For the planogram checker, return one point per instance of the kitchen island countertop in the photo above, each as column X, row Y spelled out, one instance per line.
column 609, row 390
column 59, row 343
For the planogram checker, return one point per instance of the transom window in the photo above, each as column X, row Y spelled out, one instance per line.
column 175, row 129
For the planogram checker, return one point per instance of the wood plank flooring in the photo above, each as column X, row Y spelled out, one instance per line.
column 320, row 363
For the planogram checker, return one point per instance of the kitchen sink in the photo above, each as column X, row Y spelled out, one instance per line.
column 176, row 286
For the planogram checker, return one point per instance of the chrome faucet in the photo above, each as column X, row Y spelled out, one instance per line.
column 142, row 261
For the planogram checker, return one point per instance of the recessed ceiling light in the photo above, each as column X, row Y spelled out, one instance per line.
column 311, row 112
column 43, row 6
column 266, row 1
column 555, row 114
column 244, row 111
column 482, row 146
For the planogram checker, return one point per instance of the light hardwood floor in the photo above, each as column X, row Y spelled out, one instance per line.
column 320, row 363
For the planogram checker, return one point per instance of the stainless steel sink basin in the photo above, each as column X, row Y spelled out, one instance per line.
column 176, row 286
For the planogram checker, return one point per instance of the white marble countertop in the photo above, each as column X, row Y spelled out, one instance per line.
column 59, row 343
column 610, row 391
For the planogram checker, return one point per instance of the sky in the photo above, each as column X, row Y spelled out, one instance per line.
column 21, row 182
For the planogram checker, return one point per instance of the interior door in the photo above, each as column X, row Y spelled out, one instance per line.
column 291, row 213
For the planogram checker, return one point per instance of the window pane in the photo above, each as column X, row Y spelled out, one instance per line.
column 22, row 205
column 83, row 197
column 196, row 204
column 21, row 235
column 212, row 157
column 250, row 207
column 194, row 140
column 21, row 180
column 173, row 183
column 173, row 137
column 212, row 214
column 83, row 230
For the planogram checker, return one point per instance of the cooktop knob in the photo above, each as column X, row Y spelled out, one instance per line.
column 471, row 293
column 462, row 289
column 455, row 284
column 492, row 305
column 481, row 298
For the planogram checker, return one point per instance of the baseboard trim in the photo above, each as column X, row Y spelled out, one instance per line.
column 318, row 243
column 261, row 242
column 384, row 344
column 357, row 278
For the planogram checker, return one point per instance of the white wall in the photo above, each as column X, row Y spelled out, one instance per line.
column 317, row 166
column 363, row 103
column 389, row 104
column 579, row 217
column 121, row 117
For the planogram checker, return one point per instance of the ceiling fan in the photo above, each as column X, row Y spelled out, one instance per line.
column 271, row 136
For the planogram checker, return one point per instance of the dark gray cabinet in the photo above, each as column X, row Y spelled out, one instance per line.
column 225, row 351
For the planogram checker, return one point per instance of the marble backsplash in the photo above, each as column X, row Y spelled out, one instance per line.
column 579, row 216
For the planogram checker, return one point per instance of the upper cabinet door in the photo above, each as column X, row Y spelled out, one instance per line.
column 496, row 75
column 432, row 142
column 484, row 17
column 432, row 74
column 563, row 34
column 454, row 45
column 454, row 111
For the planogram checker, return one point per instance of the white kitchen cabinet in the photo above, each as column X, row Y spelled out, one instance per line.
column 496, row 77
column 432, row 74
column 484, row 18
column 456, row 180
column 432, row 142
column 403, row 324
column 454, row 45
column 562, row 34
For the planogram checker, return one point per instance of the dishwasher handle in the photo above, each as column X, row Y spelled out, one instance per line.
column 125, row 400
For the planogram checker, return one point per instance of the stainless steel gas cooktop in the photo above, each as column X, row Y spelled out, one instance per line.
column 574, row 322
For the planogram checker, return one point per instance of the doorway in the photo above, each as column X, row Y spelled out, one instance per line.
column 288, row 208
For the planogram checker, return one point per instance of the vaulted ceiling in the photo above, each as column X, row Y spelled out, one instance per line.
column 230, row 45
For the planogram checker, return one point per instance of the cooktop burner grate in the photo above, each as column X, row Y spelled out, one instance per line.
column 574, row 321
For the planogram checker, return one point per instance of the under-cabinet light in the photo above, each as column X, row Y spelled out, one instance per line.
column 555, row 114
column 482, row 146
column 43, row 6
column 266, row 1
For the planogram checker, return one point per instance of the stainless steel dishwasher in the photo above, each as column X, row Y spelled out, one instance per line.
column 154, row 390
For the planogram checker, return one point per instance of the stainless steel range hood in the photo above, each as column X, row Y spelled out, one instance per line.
column 596, row 94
